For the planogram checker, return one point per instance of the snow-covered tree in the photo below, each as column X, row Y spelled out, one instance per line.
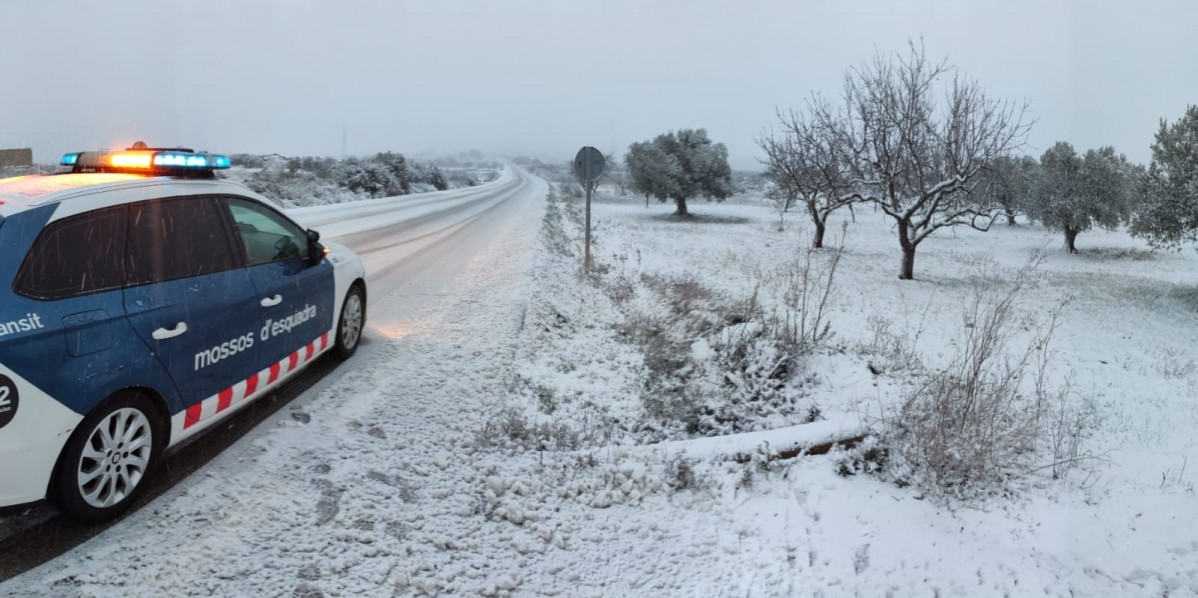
column 398, row 166
column 648, row 170
column 1168, row 216
column 1074, row 193
column 1009, row 180
column 370, row 177
column 678, row 166
column 916, row 137
column 804, row 167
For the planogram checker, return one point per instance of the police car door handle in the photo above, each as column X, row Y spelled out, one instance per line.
column 165, row 333
column 272, row 301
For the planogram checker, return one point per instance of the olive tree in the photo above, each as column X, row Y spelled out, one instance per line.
column 1075, row 193
column 1168, row 216
column 678, row 166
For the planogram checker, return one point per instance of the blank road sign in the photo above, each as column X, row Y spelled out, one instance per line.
column 588, row 164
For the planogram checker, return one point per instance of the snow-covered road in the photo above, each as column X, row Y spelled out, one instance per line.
column 426, row 258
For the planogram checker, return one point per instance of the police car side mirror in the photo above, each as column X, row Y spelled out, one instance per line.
column 316, row 251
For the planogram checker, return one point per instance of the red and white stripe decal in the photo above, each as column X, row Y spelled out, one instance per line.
column 248, row 388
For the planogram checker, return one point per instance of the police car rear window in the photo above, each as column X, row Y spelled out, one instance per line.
column 75, row 256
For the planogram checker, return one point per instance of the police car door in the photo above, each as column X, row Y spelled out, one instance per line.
column 190, row 299
column 296, row 293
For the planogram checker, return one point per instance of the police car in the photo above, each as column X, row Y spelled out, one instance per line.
column 143, row 300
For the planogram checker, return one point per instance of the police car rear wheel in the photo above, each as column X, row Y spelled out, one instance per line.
column 349, row 329
column 107, row 458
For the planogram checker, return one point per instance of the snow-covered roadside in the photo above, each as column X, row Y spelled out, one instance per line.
column 1119, row 526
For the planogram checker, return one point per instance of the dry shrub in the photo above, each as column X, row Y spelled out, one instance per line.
column 988, row 416
column 755, row 369
column 803, row 325
column 511, row 429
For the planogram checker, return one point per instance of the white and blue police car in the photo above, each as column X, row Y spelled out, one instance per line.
column 143, row 300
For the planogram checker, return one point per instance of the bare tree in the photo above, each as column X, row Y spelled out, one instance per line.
column 916, row 137
column 1010, row 180
column 805, row 167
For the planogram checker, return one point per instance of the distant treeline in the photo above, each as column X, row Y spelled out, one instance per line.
column 296, row 181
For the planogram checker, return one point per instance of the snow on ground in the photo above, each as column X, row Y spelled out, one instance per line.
column 1119, row 526
column 477, row 455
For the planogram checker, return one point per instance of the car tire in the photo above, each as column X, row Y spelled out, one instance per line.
column 351, row 322
column 104, row 466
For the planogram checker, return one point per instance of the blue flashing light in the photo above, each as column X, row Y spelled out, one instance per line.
column 221, row 162
column 69, row 159
column 181, row 160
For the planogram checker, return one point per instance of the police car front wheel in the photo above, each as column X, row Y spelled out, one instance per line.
column 349, row 327
column 104, row 465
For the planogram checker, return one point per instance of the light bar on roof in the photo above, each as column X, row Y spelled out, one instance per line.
column 130, row 159
column 153, row 160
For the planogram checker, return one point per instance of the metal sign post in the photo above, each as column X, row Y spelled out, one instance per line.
column 588, row 166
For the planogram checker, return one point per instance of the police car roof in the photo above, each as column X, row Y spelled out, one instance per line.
column 26, row 190
column 20, row 193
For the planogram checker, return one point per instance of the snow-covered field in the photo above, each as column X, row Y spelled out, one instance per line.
column 1120, row 523
column 501, row 443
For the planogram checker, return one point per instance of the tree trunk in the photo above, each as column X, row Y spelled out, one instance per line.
column 681, row 211
column 818, row 242
column 1008, row 208
column 908, row 272
column 908, row 269
column 1070, row 237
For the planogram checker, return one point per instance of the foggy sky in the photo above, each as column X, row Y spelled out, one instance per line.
column 537, row 78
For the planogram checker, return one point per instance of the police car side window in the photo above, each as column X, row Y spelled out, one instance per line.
column 267, row 235
column 75, row 256
column 177, row 238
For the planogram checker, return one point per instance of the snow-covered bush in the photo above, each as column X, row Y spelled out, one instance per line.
column 891, row 351
column 512, row 429
column 303, row 181
column 716, row 365
column 690, row 360
column 370, row 178
column 988, row 416
column 287, row 182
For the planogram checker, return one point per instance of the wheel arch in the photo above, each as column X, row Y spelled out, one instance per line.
column 361, row 284
column 162, row 422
